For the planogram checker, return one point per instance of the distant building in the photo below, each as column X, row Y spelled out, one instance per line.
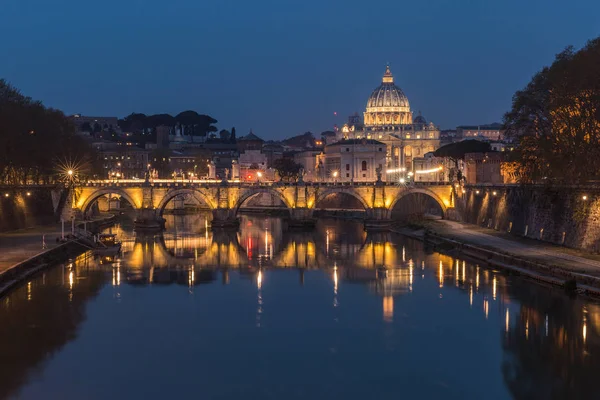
column 253, row 159
column 389, row 119
column 123, row 162
column 485, row 132
column 273, row 151
column 430, row 168
column 483, row 168
column 249, row 142
column 309, row 161
column 354, row 160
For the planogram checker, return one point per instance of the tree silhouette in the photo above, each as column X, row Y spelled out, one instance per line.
column 556, row 120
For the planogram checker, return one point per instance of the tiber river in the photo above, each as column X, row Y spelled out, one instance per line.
column 271, row 314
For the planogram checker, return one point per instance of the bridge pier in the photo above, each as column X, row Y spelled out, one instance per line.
column 377, row 219
column 224, row 218
column 148, row 220
column 301, row 218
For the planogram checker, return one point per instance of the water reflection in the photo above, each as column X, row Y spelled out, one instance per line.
column 548, row 344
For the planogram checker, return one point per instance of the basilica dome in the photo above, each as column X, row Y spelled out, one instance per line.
column 387, row 105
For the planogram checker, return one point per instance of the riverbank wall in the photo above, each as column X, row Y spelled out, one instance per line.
column 22, row 209
column 563, row 216
column 542, row 273
column 25, row 269
column 29, row 267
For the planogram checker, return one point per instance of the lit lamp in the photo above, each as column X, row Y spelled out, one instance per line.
column 335, row 174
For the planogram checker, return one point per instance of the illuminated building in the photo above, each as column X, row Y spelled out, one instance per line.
column 389, row 119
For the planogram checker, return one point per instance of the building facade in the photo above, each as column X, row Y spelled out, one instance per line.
column 388, row 119
column 353, row 160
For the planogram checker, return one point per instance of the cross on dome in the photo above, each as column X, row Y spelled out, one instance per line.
column 387, row 76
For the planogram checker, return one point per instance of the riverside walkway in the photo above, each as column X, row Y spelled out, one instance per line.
column 18, row 246
column 574, row 260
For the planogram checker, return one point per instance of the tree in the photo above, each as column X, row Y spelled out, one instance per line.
column 197, row 124
column 37, row 143
column 224, row 134
column 456, row 151
column 555, row 120
column 85, row 127
column 287, row 169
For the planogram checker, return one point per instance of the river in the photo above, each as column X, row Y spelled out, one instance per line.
column 274, row 314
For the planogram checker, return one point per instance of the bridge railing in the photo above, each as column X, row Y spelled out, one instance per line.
column 208, row 183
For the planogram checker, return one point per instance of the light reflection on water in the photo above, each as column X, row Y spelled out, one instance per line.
column 281, row 314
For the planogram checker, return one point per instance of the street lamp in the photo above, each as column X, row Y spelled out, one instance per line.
column 335, row 174
column 259, row 175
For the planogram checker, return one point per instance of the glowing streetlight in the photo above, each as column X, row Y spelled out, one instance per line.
column 402, row 180
column 70, row 172
column 335, row 174
column 28, row 193
column 259, row 174
column 584, row 197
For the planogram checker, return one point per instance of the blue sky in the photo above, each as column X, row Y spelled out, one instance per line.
column 284, row 67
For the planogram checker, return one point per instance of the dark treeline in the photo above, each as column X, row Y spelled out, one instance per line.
column 143, row 127
column 556, row 120
column 37, row 143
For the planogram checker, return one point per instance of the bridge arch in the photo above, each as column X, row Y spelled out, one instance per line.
column 254, row 191
column 320, row 196
column 91, row 198
column 199, row 195
column 426, row 192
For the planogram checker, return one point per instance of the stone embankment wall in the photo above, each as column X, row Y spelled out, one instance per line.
column 18, row 210
column 565, row 216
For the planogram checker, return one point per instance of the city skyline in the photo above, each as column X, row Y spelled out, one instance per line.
column 283, row 69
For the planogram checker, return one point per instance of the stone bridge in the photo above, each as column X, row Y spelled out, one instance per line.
column 149, row 199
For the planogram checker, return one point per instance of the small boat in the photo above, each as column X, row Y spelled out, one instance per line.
column 107, row 244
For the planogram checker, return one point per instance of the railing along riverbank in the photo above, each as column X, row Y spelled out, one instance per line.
column 73, row 246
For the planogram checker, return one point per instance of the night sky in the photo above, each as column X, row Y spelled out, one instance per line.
column 284, row 67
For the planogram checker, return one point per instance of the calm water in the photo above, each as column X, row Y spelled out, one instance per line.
column 271, row 314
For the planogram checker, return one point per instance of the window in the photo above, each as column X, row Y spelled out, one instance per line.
column 380, row 149
column 430, row 135
column 347, row 148
column 347, row 175
column 408, row 135
column 364, row 165
column 347, row 167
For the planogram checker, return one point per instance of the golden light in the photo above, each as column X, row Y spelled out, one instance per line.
column 6, row 195
column 259, row 174
column 28, row 193
column 70, row 172
column 477, row 192
column 335, row 174
column 584, row 197
column 494, row 193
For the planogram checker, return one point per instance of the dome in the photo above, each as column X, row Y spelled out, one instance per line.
column 388, row 94
column 420, row 119
column 387, row 105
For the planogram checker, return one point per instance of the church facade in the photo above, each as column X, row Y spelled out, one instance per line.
column 388, row 119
